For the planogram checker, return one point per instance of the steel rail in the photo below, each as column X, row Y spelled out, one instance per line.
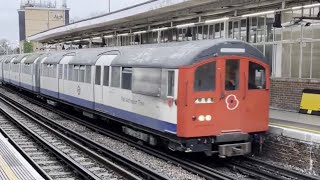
column 148, row 173
column 86, row 174
column 191, row 166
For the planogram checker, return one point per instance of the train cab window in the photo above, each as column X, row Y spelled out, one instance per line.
column 205, row 77
column 98, row 75
column 170, row 83
column 115, row 71
column 106, row 75
column 257, row 78
column 232, row 75
column 126, row 82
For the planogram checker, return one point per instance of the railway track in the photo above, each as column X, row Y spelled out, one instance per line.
column 206, row 173
column 262, row 170
column 79, row 162
column 250, row 167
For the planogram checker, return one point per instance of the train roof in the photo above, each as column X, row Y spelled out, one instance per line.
column 164, row 55
column 20, row 57
column 9, row 58
column 55, row 57
column 31, row 58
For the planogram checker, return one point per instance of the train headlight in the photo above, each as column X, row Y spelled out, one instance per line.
column 201, row 118
column 208, row 117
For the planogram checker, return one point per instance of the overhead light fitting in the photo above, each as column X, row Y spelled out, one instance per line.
column 140, row 32
column 185, row 25
column 125, row 34
column 258, row 14
column 95, row 38
column 160, row 29
column 311, row 5
column 216, row 20
column 109, row 36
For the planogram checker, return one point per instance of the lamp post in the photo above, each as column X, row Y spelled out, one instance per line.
column 109, row 5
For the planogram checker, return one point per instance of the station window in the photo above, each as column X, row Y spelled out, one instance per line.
column 232, row 75
column 98, row 75
column 126, row 78
column 115, row 71
column 106, row 76
column 170, row 83
column 205, row 77
column 257, row 78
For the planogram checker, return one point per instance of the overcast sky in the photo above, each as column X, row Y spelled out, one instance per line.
column 79, row 9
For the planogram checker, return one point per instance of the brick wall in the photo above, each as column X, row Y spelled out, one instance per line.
column 295, row 154
column 286, row 93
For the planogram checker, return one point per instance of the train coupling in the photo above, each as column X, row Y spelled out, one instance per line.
column 238, row 149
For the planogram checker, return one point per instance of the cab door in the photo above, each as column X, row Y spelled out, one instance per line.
column 199, row 93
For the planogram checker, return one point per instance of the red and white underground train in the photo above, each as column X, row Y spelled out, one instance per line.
column 207, row 96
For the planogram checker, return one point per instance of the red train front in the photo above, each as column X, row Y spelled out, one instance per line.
column 223, row 100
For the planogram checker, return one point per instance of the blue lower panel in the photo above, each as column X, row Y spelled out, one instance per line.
column 119, row 113
column 78, row 101
column 49, row 93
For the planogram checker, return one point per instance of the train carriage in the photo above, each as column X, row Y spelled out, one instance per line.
column 49, row 76
column 15, row 69
column 7, row 67
column 30, row 72
column 207, row 96
column 1, row 70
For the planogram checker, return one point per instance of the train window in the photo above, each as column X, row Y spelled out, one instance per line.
column 232, row 75
column 60, row 70
column 126, row 81
column 257, row 78
column 70, row 72
column 115, row 76
column 205, row 77
column 88, row 74
column 81, row 73
column 170, row 83
column 75, row 76
column 98, row 75
column 65, row 71
column 106, row 76
column 147, row 81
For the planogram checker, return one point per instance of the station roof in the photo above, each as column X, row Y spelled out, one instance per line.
column 171, row 55
column 156, row 14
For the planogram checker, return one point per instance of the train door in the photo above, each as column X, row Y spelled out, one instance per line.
column 199, row 93
column 63, row 68
column 102, row 78
column 256, row 96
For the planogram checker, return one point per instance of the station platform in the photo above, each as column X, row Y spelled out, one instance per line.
column 13, row 166
column 295, row 125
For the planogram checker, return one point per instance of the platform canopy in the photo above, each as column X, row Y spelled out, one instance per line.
column 157, row 14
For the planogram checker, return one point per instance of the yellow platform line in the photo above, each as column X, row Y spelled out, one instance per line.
column 4, row 166
column 296, row 128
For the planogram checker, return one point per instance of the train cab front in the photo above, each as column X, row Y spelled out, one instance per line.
column 223, row 105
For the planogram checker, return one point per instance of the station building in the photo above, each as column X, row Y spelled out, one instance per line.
column 35, row 17
column 286, row 31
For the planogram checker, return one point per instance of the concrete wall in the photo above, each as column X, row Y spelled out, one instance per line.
column 38, row 20
column 286, row 93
